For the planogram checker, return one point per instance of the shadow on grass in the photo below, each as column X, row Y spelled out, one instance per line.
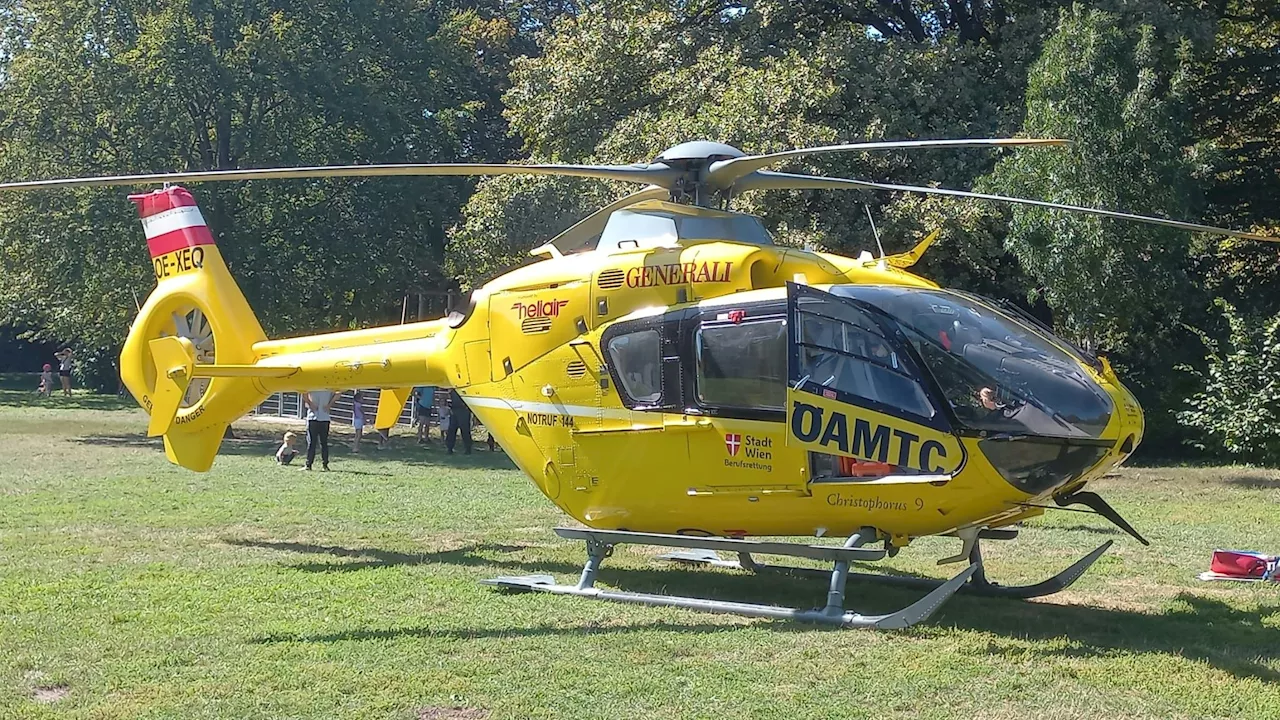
column 480, row 460
column 1253, row 482
column 1200, row 628
column 258, row 443
column 373, row 558
column 1196, row 627
column 481, row 633
column 1080, row 527
column 79, row 400
column 128, row 440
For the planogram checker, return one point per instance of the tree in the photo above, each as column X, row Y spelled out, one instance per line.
column 1237, row 409
column 1118, row 90
column 1117, row 84
column 622, row 82
column 1236, row 92
column 125, row 86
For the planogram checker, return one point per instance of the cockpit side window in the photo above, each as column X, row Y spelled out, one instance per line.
column 742, row 365
column 843, row 351
column 637, row 359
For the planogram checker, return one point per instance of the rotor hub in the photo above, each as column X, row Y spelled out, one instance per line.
column 692, row 159
column 698, row 150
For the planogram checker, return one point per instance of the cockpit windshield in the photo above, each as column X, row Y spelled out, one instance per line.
column 998, row 373
column 659, row 228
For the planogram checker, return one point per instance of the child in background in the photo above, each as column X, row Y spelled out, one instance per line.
column 446, row 418
column 357, row 418
column 46, row 381
column 286, row 453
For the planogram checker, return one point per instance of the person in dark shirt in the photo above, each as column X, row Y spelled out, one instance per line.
column 460, row 421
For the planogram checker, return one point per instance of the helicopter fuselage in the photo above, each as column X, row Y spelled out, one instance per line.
column 651, row 438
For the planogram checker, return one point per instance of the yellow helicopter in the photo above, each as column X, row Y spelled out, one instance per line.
column 669, row 376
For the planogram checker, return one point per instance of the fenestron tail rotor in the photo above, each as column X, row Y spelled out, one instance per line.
column 190, row 323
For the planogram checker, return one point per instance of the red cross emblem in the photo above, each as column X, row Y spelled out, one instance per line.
column 732, row 441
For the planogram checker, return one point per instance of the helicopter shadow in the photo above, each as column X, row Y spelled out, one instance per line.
column 124, row 440
column 1253, row 482
column 242, row 444
column 423, row 631
column 257, row 444
column 435, row 459
column 1242, row 642
column 374, row 558
column 1082, row 528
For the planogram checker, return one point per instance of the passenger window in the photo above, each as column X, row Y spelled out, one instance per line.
column 742, row 365
column 637, row 357
column 843, row 350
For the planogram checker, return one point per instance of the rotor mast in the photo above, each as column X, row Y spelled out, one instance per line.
column 694, row 160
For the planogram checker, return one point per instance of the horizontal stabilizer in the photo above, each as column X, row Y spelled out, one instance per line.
column 174, row 359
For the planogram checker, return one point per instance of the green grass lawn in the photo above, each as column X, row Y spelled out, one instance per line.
column 130, row 588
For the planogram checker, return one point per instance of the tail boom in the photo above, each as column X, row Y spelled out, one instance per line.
column 196, row 357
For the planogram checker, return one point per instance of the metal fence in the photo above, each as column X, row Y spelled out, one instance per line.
column 289, row 405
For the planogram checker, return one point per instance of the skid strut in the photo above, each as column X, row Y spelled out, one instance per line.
column 600, row 544
column 977, row 584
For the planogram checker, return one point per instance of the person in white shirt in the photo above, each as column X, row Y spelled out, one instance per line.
column 319, row 403
column 446, row 419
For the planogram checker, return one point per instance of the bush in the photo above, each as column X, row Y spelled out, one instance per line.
column 1238, row 409
column 98, row 369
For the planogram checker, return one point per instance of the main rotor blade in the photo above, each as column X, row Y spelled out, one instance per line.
column 651, row 174
column 766, row 180
column 723, row 173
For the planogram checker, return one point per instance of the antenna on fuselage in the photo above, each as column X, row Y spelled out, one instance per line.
column 876, row 233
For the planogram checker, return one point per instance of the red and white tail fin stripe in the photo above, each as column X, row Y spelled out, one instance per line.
column 171, row 220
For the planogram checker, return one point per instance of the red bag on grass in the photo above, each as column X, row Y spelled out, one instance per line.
column 1243, row 564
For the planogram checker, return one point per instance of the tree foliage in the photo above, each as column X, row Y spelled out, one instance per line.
column 1118, row 91
column 125, row 86
column 622, row 82
column 1238, row 406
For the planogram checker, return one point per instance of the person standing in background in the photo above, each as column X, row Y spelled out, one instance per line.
column 319, row 403
column 357, row 418
column 446, row 419
column 424, row 401
column 460, row 421
column 64, row 369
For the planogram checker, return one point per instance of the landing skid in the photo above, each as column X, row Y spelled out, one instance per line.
column 600, row 544
column 978, row 584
